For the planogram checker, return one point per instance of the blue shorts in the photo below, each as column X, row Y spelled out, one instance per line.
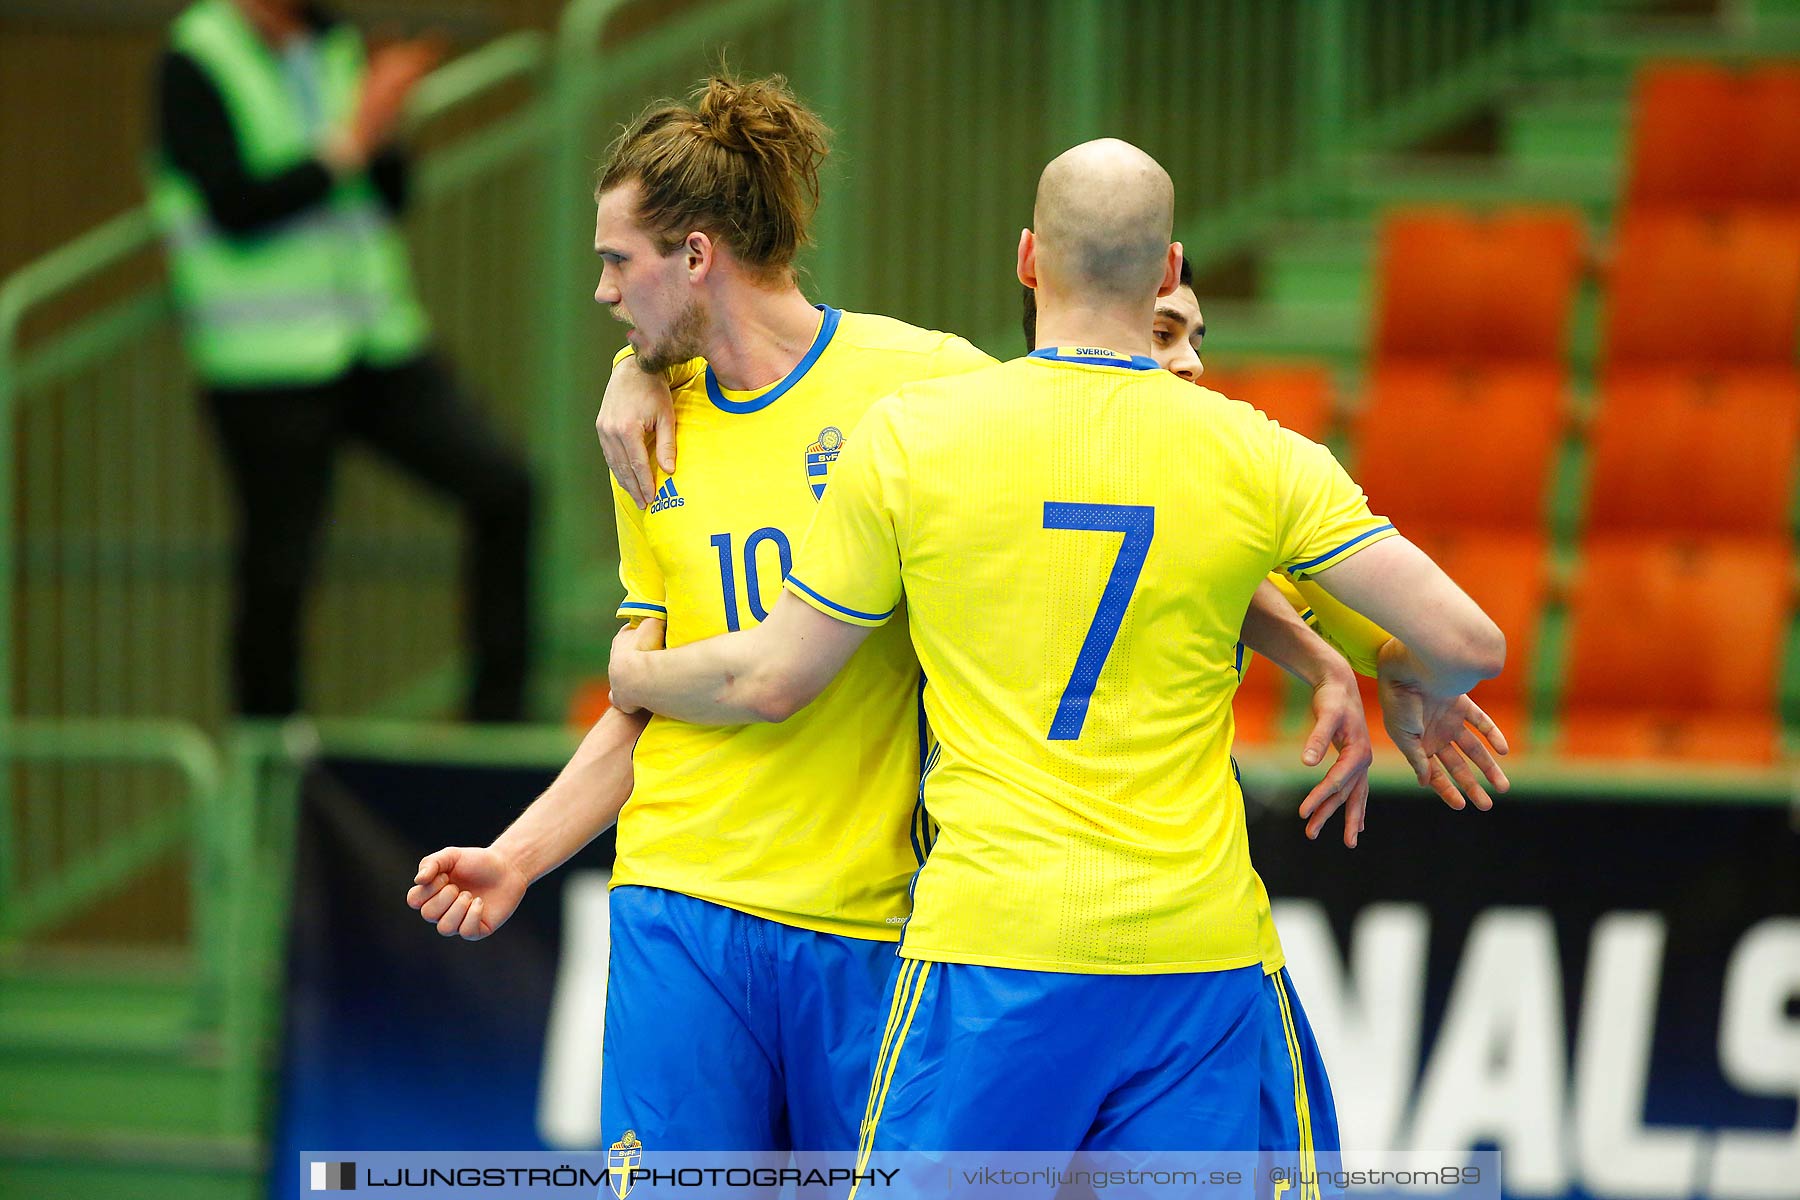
column 988, row 1058
column 726, row 1031
column 1298, row 1124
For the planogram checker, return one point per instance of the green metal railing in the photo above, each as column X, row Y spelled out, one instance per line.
column 114, row 527
column 94, row 804
column 114, row 521
column 117, row 570
column 77, row 852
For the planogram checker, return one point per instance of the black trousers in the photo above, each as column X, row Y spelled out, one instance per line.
column 281, row 448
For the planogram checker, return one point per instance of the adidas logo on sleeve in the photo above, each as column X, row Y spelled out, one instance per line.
column 667, row 496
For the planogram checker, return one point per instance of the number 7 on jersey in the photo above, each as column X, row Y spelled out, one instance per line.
column 1138, row 523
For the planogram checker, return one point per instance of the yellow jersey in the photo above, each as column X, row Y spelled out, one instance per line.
column 811, row 822
column 1359, row 640
column 1077, row 538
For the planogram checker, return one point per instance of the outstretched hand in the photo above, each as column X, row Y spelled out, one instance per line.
column 1338, row 721
column 467, row 891
column 1446, row 740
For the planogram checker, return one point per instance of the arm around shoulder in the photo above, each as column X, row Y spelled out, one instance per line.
column 766, row 673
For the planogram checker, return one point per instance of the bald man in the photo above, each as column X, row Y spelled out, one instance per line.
column 1077, row 537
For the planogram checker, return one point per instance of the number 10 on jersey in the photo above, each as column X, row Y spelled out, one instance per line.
column 752, row 581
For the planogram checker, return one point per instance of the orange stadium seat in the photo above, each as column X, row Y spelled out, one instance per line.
column 1675, row 648
column 1659, row 431
column 1296, row 394
column 1445, row 445
column 1690, row 138
column 1481, row 288
column 1704, row 291
column 1773, row 165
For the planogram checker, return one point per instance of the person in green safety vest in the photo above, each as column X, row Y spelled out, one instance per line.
column 277, row 186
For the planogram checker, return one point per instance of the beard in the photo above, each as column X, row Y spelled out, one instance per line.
column 681, row 343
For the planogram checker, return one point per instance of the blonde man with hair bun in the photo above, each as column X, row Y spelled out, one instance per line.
column 762, row 870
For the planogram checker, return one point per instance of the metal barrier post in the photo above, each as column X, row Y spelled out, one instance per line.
column 1081, row 64
column 1328, row 50
column 564, row 431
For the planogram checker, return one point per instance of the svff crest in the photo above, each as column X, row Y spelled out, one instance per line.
column 622, row 1159
column 819, row 457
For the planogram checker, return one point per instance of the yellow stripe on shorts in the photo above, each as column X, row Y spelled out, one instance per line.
column 896, row 1006
column 884, row 1072
column 1309, row 1167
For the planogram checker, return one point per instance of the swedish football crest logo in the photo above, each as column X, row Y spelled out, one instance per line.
column 621, row 1160
column 819, row 457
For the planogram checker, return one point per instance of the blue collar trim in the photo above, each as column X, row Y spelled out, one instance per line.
column 827, row 327
column 1096, row 357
